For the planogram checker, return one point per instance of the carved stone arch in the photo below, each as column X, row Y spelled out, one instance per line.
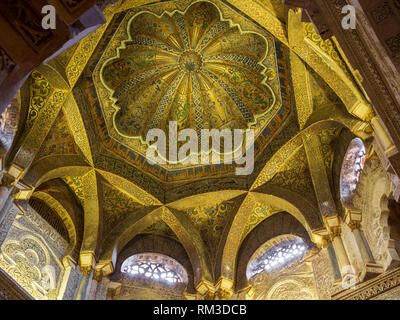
column 93, row 213
column 372, row 198
column 192, row 241
column 126, row 230
column 54, row 77
column 236, row 196
column 151, row 243
column 129, row 188
column 53, row 167
column 274, row 226
column 62, row 214
column 136, row 223
column 51, row 91
column 340, row 116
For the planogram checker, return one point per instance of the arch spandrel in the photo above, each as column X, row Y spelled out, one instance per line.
column 134, row 224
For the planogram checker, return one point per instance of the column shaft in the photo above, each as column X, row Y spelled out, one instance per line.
column 341, row 254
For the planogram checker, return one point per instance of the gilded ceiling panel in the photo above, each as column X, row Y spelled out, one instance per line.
column 162, row 229
column 40, row 92
column 327, row 46
column 322, row 94
column 116, row 206
column 59, row 141
column 210, row 220
column 296, row 176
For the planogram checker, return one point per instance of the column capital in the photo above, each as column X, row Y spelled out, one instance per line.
column 206, row 289
column 22, row 191
column 68, row 262
column 106, row 267
column 333, row 224
column 224, row 288
column 15, row 171
column 353, row 218
column 320, row 237
column 221, row 290
column 87, row 262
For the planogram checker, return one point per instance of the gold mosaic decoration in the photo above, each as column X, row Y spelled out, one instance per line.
column 40, row 92
column 192, row 66
column 210, row 220
column 161, row 228
column 261, row 212
column 116, row 206
column 76, row 185
column 59, row 141
column 326, row 46
column 295, row 175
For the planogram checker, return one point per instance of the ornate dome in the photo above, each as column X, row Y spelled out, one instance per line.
column 199, row 64
column 194, row 68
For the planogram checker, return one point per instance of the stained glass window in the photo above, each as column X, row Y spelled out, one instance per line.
column 156, row 267
column 277, row 257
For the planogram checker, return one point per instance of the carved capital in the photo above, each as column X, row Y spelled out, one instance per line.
column 206, row 289
column 334, row 226
column 224, row 289
column 321, row 237
column 87, row 262
column 353, row 218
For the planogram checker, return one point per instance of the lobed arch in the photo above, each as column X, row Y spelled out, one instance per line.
column 160, row 245
column 277, row 225
column 136, row 223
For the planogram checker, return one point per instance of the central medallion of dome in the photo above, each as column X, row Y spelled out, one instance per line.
column 190, row 61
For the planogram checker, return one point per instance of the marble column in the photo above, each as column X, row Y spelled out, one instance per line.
column 341, row 254
column 70, row 282
column 102, row 288
column 85, row 285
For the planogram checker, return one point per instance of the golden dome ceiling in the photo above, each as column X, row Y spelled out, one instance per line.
column 202, row 64
column 194, row 68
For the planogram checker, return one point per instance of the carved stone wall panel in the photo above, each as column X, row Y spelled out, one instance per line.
column 374, row 188
column 296, row 283
column 324, row 276
column 31, row 255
